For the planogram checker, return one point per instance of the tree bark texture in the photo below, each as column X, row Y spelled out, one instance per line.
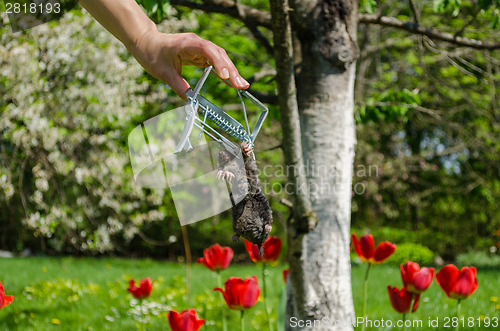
column 320, row 277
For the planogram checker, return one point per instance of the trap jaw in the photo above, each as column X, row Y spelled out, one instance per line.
column 219, row 117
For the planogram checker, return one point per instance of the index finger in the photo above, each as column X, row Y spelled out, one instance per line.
column 224, row 67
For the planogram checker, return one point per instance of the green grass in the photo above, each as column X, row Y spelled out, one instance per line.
column 90, row 294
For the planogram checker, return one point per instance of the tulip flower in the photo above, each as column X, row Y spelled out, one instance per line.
column 271, row 248
column 401, row 300
column 144, row 289
column 240, row 294
column 271, row 252
column 285, row 275
column 416, row 279
column 216, row 258
column 457, row 284
column 365, row 248
column 185, row 321
column 5, row 300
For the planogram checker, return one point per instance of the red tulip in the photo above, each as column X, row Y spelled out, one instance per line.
column 416, row 279
column 271, row 247
column 365, row 248
column 185, row 321
column 144, row 289
column 240, row 294
column 5, row 300
column 401, row 299
column 457, row 284
column 216, row 258
column 285, row 275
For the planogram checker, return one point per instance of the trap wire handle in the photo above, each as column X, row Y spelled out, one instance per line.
column 191, row 109
column 223, row 120
column 249, row 96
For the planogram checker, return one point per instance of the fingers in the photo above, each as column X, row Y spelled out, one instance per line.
column 180, row 49
column 177, row 83
column 225, row 68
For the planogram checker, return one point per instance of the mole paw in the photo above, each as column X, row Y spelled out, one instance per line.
column 236, row 237
column 247, row 148
column 268, row 228
column 225, row 175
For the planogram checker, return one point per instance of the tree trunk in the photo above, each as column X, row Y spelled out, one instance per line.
column 319, row 291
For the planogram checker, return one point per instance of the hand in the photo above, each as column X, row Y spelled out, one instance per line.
column 163, row 55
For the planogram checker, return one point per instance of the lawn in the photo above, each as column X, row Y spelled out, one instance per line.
column 90, row 294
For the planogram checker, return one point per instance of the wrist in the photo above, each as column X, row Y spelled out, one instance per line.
column 143, row 38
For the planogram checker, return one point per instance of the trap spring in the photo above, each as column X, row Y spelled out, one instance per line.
column 220, row 118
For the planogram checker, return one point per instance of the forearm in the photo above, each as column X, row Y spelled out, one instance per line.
column 123, row 18
column 161, row 54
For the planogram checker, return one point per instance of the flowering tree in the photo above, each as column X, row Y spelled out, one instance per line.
column 66, row 106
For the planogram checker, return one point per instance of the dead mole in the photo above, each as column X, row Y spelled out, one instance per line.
column 252, row 214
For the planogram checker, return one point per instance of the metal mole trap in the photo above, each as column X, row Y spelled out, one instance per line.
column 180, row 149
column 219, row 117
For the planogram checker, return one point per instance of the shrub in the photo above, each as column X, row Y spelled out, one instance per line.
column 412, row 252
column 479, row 260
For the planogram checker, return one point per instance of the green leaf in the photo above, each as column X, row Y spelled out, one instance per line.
column 495, row 22
column 367, row 6
column 445, row 6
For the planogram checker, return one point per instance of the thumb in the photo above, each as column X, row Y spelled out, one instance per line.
column 173, row 79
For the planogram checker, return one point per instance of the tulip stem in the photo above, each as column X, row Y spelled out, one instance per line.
column 185, row 239
column 412, row 301
column 404, row 322
column 264, row 294
column 224, row 323
column 365, row 294
column 458, row 315
column 242, row 321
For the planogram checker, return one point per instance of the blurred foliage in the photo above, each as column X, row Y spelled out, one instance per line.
column 389, row 105
column 69, row 95
column 428, row 120
column 479, row 259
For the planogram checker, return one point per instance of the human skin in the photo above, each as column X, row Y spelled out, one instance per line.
column 161, row 54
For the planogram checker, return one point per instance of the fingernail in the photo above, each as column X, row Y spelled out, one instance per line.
column 241, row 81
column 225, row 73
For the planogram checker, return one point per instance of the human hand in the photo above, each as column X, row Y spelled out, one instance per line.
column 163, row 55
